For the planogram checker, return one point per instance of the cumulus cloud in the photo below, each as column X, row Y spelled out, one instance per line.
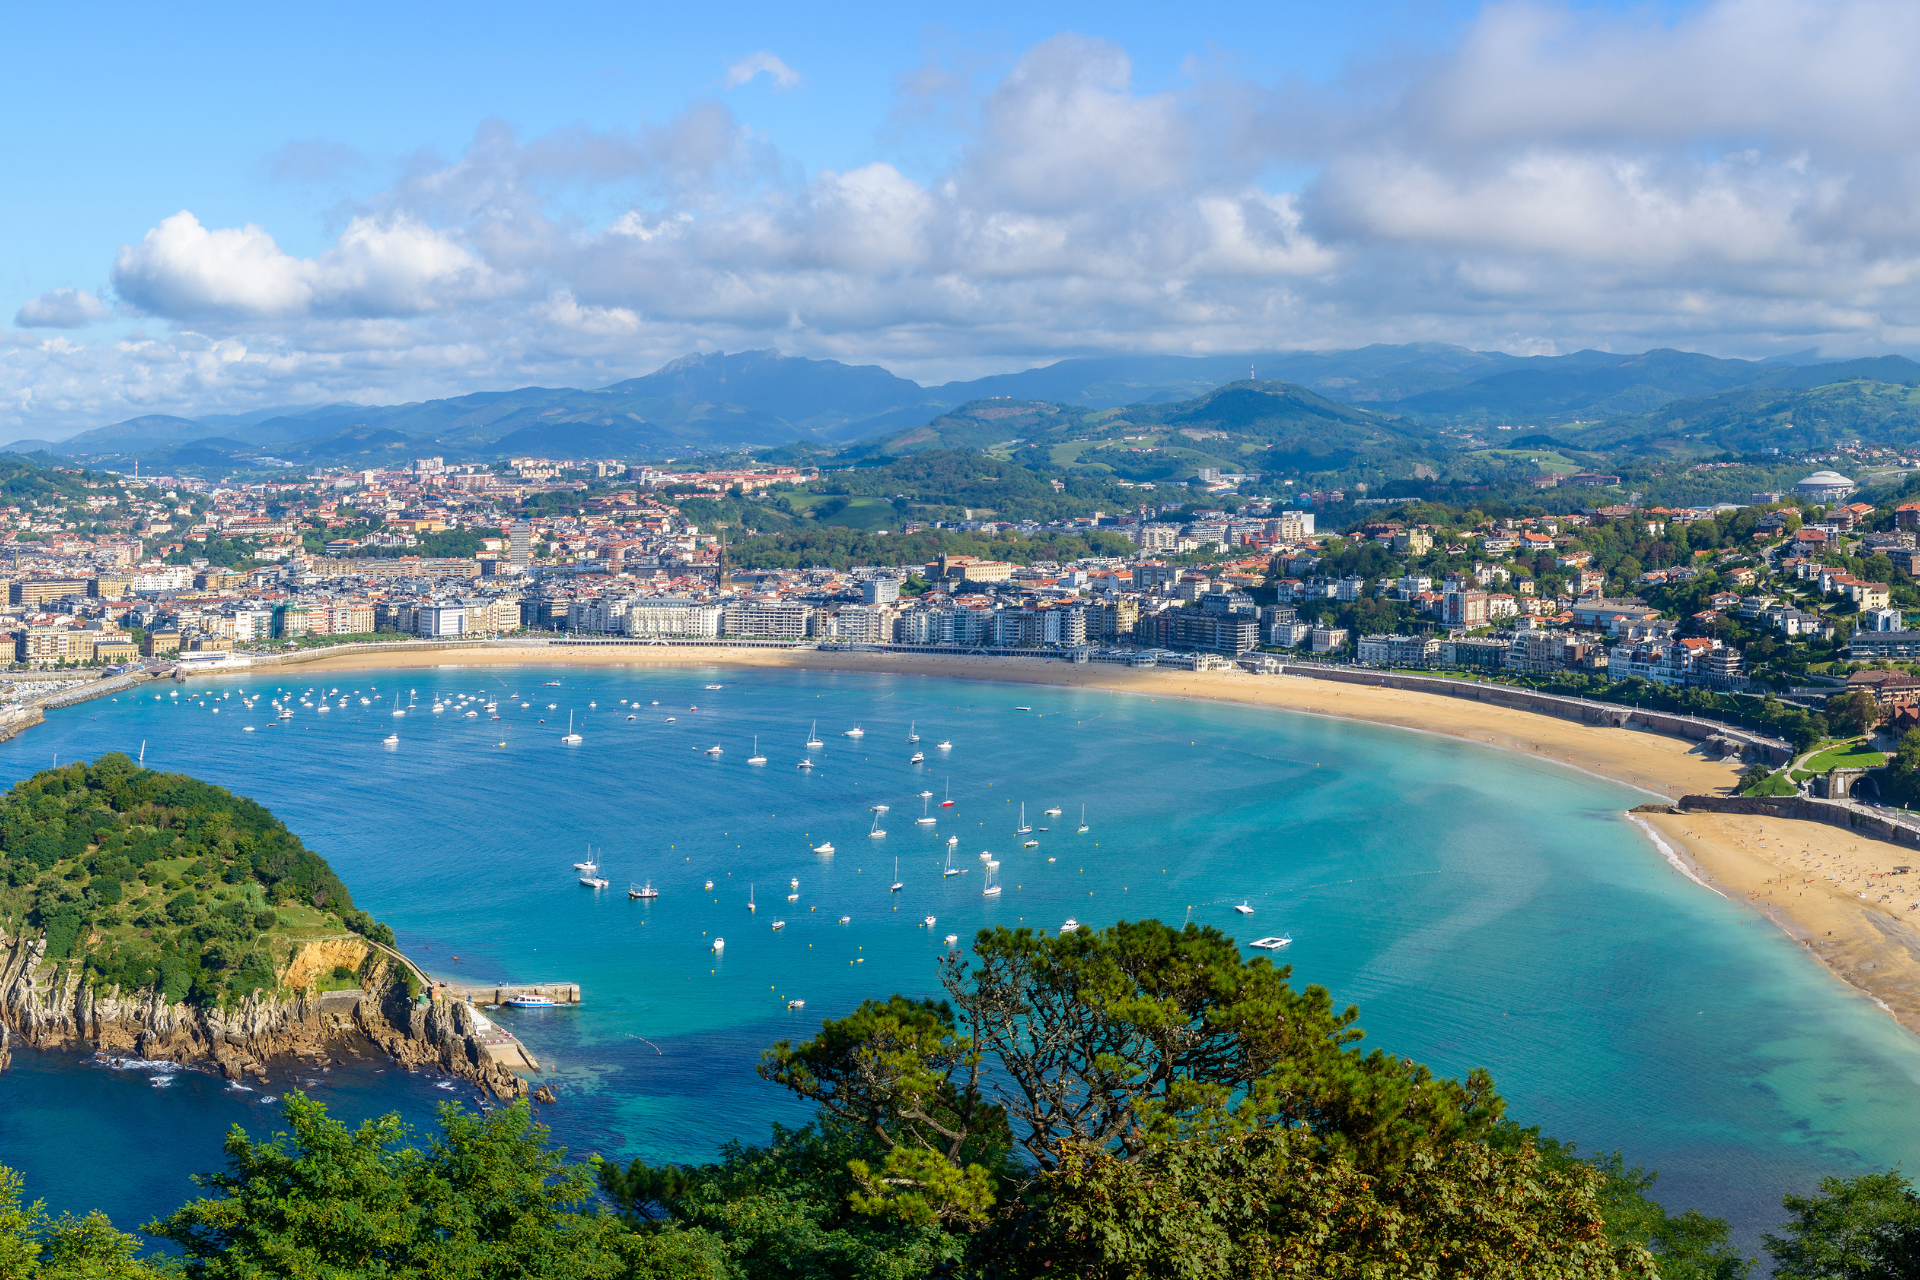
column 763, row 63
column 1738, row 179
column 61, row 309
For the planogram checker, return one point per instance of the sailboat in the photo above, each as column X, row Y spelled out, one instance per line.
column 1083, row 818
column 572, row 739
column 948, row 802
column 876, row 832
column 993, row 887
column 898, row 885
column 951, row 869
column 1023, row 828
column 756, row 757
column 750, row 905
column 925, row 819
column 911, row 735
column 813, row 737
column 647, row 892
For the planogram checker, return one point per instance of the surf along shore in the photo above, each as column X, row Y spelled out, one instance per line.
column 1822, row 885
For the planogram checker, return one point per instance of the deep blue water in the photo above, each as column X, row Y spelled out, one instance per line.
column 1482, row 909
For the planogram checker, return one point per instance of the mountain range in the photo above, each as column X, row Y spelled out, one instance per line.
column 1591, row 399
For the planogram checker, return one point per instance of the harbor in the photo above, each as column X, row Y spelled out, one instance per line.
column 502, row 1045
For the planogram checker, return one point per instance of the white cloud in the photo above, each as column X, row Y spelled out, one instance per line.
column 766, row 63
column 61, row 309
column 1739, row 178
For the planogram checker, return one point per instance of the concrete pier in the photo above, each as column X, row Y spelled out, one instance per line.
column 501, row 992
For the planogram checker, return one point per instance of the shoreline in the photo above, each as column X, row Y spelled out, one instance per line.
column 1873, row 950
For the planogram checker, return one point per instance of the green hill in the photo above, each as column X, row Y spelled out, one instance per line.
column 1749, row 421
column 158, row 880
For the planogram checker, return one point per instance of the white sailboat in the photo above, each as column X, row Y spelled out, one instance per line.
column 750, row 906
column 993, row 885
column 951, row 869
column 911, row 735
column 897, row 883
column 589, row 864
column 572, row 739
column 876, row 832
column 1023, row 828
column 756, row 757
column 1083, row 818
column 926, row 819
column 813, row 737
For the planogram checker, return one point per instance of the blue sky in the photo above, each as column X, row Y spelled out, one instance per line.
column 248, row 206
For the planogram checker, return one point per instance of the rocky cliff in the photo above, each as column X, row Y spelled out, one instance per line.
column 49, row 1005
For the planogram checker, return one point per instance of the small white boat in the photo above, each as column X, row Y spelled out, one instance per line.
column 876, row 832
column 1244, row 909
column 793, row 897
column 588, row 865
column 713, row 750
column 1030, row 844
column 813, row 737
column 669, row 719
column 709, row 884
column 645, row 891
column 898, row 885
column 755, row 758
column 593, row 882
column 1023, row 708
column 916, row 758
column 717, row 686
column 629, row 717
column 952, row 841
column 1272, row 944
column 719, row 944
column 1083, row 820
column 804, row 764
column 1052, row 813
column 472, row 715
column 943, row 746
column 249, row 729
column 794, row 883
column 791, row 1004
column 846, row 919
column 1071, row 926
column 1023, row 828
column 779, row 924
column 952, row 938
column 392, row 739
column 928, row 922
column 529, row 1002
column 855, row 732
column 824, row 848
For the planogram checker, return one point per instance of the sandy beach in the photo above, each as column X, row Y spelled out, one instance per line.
column 1828, row 888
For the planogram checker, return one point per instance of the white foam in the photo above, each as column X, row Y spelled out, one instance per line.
column 1668, row 852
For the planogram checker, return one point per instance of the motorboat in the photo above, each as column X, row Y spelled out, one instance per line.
column 943, row 746
column 952, row 938
column 391, row 740
column 645, row 891
column 826, row 847
column 529, row 1001
column 1071, row 926
column 804, row 764
column 719, row 944
column 855, row 732
column 928, row 922
column 791, row 1004
column 1244, row 909
column 916, row 757
column 779, row 924
column 713, row 750
column 593, row 882
column 1051, row 813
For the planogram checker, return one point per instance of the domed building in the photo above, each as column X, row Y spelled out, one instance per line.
column 1824, row 486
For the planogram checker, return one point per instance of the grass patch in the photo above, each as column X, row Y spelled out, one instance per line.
column 1847, row 755
column 1774, row 784
column 1800, row 775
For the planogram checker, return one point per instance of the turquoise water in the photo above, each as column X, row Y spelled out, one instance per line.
column 1481, row 909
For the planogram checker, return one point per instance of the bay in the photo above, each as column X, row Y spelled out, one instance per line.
column 1482, row 909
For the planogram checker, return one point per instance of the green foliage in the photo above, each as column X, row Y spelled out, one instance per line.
column 1852, row 713
column 36, row 1246
column 194, row 865
column 785, row 1209
column 1279, row 1202
column 1860, row 1228
column 488, row 1197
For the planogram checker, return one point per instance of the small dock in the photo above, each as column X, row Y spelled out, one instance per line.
column 501, row 992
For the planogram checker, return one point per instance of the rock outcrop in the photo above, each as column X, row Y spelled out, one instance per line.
column 49, row 1005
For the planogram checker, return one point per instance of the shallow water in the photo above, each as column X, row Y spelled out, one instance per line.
column 1480, row 908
